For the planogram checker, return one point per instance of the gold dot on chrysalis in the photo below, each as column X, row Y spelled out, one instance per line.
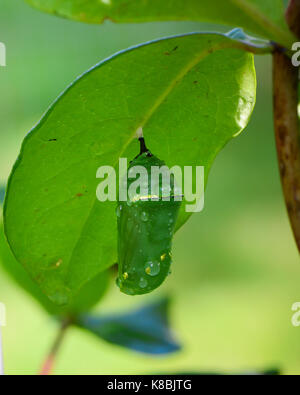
column 125, row 276
column 163, row 257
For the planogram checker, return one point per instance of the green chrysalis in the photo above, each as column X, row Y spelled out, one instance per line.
column 146, row 224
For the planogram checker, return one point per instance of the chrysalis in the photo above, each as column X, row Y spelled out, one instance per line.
column 146, row 224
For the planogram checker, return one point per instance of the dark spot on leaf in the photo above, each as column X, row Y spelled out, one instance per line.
column 79, row 194
column 195, row 82
column 173, row 50
column 38, row 278
column 52, row 140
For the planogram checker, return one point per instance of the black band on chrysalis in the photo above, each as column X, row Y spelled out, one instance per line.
column 143, row 147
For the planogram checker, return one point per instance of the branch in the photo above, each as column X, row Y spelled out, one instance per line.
column 285, row 82
column 48, row 365
column 293, row 16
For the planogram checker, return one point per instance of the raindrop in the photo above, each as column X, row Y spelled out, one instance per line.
column 118, row 210
column 144, row 216
column 152, row 268
column 143, row 282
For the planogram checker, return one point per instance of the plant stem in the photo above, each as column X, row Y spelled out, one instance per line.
column 48, row 365
column 293, row 16
column 285, row 81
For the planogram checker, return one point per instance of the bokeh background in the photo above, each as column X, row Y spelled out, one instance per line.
column 236, row 269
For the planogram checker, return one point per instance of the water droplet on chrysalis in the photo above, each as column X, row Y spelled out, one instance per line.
column 152, row 268
column 144, row 216
column 118, row 210
column 143, row 282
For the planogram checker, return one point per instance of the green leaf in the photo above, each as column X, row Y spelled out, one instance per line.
column 88, row 296
column 145, row 330
column 262, row 17
column 191, row 94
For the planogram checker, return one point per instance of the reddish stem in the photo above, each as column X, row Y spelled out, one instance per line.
column 48, row 365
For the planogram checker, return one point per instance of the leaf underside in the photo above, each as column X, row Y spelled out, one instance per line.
column 262, row 17
column 191, row 94
column 145, row 330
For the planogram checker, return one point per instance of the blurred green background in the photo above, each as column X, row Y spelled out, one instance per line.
column 236, row 269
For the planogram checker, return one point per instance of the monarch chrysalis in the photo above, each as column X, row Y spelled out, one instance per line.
column 145, row 230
